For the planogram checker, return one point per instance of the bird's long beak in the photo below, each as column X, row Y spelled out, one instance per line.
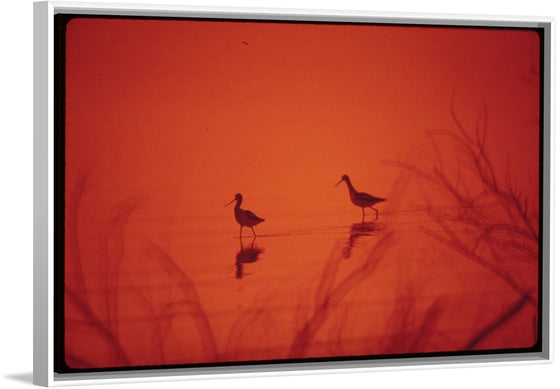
column 337, row 183
column 229, row 203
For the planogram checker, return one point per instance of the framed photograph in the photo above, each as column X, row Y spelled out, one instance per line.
column 222, row 191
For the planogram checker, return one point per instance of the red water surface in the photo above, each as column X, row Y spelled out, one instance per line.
column 167, row 119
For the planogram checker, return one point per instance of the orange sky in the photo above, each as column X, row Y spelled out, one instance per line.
column 188, row 108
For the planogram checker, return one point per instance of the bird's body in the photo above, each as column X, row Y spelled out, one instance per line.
column 244, row 217
column 361, row 199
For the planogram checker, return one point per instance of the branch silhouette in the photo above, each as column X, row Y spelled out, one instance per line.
column 490, row 221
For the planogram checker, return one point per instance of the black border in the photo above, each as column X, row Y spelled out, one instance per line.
column 59, row 188
column 60, row 22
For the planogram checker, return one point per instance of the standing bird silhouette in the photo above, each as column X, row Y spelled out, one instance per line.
column 361, row 199
column 244, row 217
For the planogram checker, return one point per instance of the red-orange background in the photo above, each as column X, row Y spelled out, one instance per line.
column 175, row 108
column 184, row 114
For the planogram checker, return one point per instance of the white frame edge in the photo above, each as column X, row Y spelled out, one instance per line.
column 43, row 190
column 43, row 211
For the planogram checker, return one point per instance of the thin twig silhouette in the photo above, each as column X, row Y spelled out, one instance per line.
column 492, row 222
column 73, row 262
column 191, row 300
column 497, row 323
column 406, row 333
column 75, row 291
column 328, row 298
column 98, row 326
column 112, row 248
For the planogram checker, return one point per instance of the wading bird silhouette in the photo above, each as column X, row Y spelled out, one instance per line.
column 361, row 199
column 244, row 217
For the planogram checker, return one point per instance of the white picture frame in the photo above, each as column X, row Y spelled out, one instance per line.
column 44, row 216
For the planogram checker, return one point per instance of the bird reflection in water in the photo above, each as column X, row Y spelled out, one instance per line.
column 359, row 233
column 246, row 255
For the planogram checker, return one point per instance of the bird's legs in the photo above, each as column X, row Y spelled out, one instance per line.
column 254, row 234
column 240, row 230
column 376, row 213
column 363, row 215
